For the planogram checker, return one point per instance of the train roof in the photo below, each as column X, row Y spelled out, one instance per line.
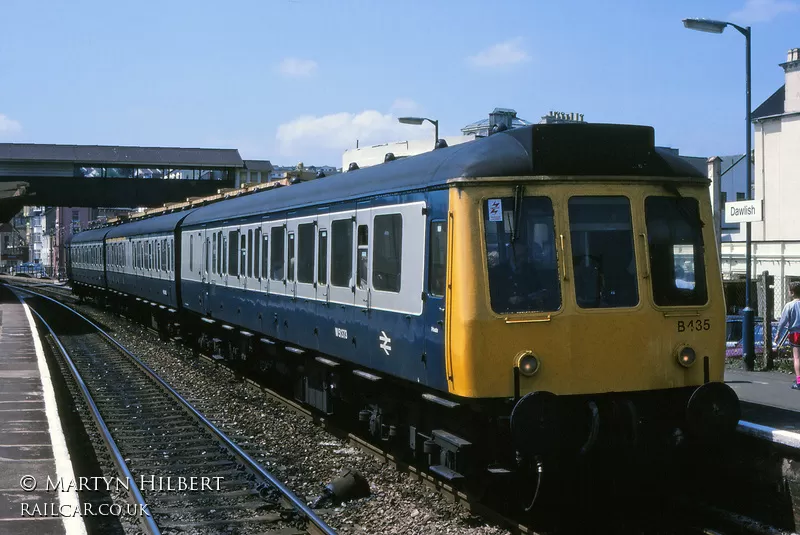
column 152, row 225
column 90, row 235
column 584, row 149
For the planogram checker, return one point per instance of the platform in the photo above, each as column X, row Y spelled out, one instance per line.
column 32, row 442
column 767, row 398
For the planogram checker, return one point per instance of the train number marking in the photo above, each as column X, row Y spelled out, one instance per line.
column 694, row 325
column 385, row 342
column 340, row 333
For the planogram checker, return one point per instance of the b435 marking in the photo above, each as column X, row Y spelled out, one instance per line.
column 694, row 325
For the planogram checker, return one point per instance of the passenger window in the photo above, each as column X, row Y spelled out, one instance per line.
column 257, row 253
column 322, row 260
column 291, row 266
column 387, row 251
column 250, row 250
column 243, row 255
column 233, row 252
column 265, row 257
column 603, row 259
column 342, row 253
column 677, row 252
column 437, row 270
column 277, row 253
column 305, row 253
column 220, row 252
column 521, row 255
column 214, row 253
column 363, row 256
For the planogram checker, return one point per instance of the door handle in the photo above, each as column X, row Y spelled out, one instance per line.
column 563, row 259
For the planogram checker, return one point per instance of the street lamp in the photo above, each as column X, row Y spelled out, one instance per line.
column 748, row 323
column 419, row 121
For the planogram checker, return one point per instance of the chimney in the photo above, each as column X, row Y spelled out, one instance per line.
column 792, row 70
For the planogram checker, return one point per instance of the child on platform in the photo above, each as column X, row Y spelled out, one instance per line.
column 790, row 321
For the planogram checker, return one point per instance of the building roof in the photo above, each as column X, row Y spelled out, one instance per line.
column 516, row 122
column 772, row 106
column 579, row 149
column 100, row 154
column 258, row 165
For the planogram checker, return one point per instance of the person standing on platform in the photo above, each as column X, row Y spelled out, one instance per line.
column 790, row 322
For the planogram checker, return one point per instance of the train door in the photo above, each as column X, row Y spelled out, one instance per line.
column 340, row 296
column 216, row 276
column 321, row 262
column 362, row 259
column 363, row 291
column 304, row 230
column 206, row 278
column 436, row 299
column 264, row 256
column 230, row 255
column 276, row 231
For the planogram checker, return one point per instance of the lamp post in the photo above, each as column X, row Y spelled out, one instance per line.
column 419, row 121
column 748, row 324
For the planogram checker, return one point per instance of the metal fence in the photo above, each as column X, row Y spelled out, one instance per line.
column 767, row 305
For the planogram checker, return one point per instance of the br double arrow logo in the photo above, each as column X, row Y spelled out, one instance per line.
column 386, row 342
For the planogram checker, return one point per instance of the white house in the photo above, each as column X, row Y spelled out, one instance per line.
column 776, row 177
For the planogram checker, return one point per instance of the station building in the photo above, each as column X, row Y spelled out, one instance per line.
column 776, row 178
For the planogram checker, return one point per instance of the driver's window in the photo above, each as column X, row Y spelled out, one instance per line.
column 603, row 258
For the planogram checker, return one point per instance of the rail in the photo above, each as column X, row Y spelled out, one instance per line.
column 221, row 436
column 149, row 524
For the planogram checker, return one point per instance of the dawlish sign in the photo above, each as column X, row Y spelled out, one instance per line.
column 744, row 211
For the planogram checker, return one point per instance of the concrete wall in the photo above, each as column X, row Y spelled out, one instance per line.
column 777, row 178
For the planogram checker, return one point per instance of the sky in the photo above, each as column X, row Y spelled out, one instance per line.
column 303, row 80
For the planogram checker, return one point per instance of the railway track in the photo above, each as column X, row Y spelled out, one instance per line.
column 181, row 473
column 704, row 519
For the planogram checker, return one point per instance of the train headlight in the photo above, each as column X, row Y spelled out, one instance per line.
column 528, row 364
column 686, row 356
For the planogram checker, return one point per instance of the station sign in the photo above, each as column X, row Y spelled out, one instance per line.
column 744, row 211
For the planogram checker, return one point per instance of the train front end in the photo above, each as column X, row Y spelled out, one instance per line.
column 595, row 303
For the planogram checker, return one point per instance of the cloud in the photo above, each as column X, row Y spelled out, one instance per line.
column 339, row 132
column 404, row 104
column 500, row 55
column 9, row 126
column 763, row 10
column 297, row 68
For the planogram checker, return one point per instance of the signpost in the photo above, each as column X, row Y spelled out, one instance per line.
column 744, row 211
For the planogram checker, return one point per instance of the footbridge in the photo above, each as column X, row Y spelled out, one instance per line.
column 112, row 176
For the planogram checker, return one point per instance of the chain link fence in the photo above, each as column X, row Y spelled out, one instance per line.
column 766, row 299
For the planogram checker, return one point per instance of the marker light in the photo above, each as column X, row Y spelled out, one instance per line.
column 686, row 357
column 528, row 364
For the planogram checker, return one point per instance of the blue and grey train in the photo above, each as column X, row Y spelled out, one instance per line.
column 507, row 298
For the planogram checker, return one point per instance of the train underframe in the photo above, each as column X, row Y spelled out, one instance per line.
column 542, row 442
